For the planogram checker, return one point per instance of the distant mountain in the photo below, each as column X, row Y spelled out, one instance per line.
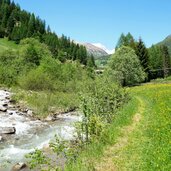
column 94, row 50
column 99, row 45
column 166, row 42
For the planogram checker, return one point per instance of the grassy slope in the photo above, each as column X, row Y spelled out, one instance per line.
column 5, row 45
column 140, row 137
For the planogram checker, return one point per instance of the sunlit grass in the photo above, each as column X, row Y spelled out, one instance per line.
column 5, row 45
column 148, row 145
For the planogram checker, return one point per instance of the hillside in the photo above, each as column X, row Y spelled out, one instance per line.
column 167, row 42
column 17, row 24
column 94, row 50
column 5, row 45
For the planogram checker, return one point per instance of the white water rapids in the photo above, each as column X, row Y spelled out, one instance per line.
column 30, row 134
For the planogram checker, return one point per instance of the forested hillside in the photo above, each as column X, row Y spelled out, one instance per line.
column 17, row 24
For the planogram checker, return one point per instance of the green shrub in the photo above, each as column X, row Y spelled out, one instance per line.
column 8, row 76
column 100, row 105
column 36, row 80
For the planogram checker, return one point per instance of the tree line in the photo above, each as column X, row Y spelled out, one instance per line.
column 17, row 24
column 154, row 60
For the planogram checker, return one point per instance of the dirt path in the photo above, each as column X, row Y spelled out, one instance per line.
column 113, row 152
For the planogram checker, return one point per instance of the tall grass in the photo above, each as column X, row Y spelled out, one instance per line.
column 44, row 103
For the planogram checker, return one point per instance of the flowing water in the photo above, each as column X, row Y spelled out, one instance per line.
column 30, row 134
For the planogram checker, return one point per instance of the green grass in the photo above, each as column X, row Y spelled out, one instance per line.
column 44, row 103
column 134, row 145
column 94, row 151
column 162, row 80
column 149, row 145
column 5, row 45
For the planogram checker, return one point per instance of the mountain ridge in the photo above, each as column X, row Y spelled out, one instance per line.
column 97, row 49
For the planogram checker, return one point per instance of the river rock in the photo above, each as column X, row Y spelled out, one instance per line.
column 5, row 104
column 20, row 167
column 3, row 109
column 50, row 118
column 8, row 97
column 10, row 112
column 7, row 130
column 30, row 112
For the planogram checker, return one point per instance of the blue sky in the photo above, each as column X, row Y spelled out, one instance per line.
column 102, row 21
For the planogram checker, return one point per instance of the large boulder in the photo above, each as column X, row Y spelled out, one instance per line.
column 7, row 130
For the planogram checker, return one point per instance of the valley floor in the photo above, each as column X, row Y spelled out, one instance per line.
column 140, row 138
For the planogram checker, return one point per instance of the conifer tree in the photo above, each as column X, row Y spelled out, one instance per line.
column 31, row 26
column 166, row 60
column 127, row 40
column 5, row 15
column 120, row 41
column 12, row 21
column 155, row 58
column 91, row 61
column 48, row 29
column 142, row 53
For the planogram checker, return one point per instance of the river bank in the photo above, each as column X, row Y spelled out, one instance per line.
column 24, row 133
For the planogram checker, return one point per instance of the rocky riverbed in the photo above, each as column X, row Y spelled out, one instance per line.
column 21, row 134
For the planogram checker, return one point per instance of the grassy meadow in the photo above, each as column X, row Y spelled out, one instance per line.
column 138, row 139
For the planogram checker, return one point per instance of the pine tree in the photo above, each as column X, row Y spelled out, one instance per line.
column 127, row 40
column 91, row 62
column 11, row 21
column 142, row 53
column 166, row 60
column 31, row 26
column 48, row 29
column 155, row 58
column 120, row 41
column 39, row 25
column 5, row 15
